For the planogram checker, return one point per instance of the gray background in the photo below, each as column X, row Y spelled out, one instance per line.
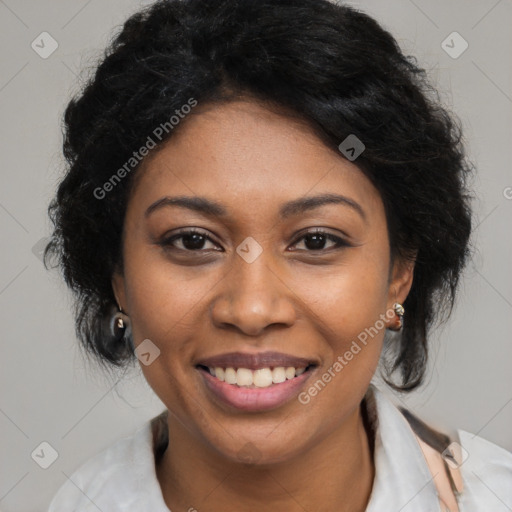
column 49, row 393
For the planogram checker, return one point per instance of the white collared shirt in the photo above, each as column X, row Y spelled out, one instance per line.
column 123, row 478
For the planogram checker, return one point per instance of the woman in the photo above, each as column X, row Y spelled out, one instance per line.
column 264, row 200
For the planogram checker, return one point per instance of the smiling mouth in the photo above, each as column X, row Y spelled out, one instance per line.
column 253, row 379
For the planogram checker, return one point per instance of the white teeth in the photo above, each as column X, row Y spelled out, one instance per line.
column 230, row 376
column 290, row 372
column 261, row 378
column 244, row 377
column 278, row 375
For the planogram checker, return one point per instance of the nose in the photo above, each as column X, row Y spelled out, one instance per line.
column 252, row 297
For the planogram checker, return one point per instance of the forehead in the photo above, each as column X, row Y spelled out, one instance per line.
column 250, row 159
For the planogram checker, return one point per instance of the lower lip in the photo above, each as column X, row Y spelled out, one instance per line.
column 255, row 399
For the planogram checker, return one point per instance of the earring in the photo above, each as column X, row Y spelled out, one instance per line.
column 399, row 311
column 119, row 325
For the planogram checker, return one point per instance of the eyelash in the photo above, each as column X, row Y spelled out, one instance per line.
column 167, row 243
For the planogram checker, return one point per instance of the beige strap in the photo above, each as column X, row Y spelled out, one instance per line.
column 444, row 481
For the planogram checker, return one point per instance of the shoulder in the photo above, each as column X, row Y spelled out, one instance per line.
column 479, row 469
column 118, row 479
column 462, row 469
column 486, row 470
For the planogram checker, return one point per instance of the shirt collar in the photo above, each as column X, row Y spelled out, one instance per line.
column 402, row 479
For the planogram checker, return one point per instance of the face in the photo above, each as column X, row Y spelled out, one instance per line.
column 257, row 278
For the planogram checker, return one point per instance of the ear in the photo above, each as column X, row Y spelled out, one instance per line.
column 118, row 286
column 401, row 277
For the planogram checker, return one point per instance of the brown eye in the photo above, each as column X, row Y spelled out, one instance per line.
column 191, row 240
column 316, row 240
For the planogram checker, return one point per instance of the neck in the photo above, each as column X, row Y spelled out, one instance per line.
column 336, row 474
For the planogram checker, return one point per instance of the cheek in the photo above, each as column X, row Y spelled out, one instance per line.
column 351, row 316
column 355, row 294
column 162, row 297
column 164, row 309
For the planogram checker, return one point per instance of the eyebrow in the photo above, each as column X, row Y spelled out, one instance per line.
column 298, row 206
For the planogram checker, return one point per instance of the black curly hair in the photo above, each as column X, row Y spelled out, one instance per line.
column 331, row 65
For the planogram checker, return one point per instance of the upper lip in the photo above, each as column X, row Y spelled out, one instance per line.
column 254, row 361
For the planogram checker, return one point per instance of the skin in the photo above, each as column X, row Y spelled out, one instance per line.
column 196, row 303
